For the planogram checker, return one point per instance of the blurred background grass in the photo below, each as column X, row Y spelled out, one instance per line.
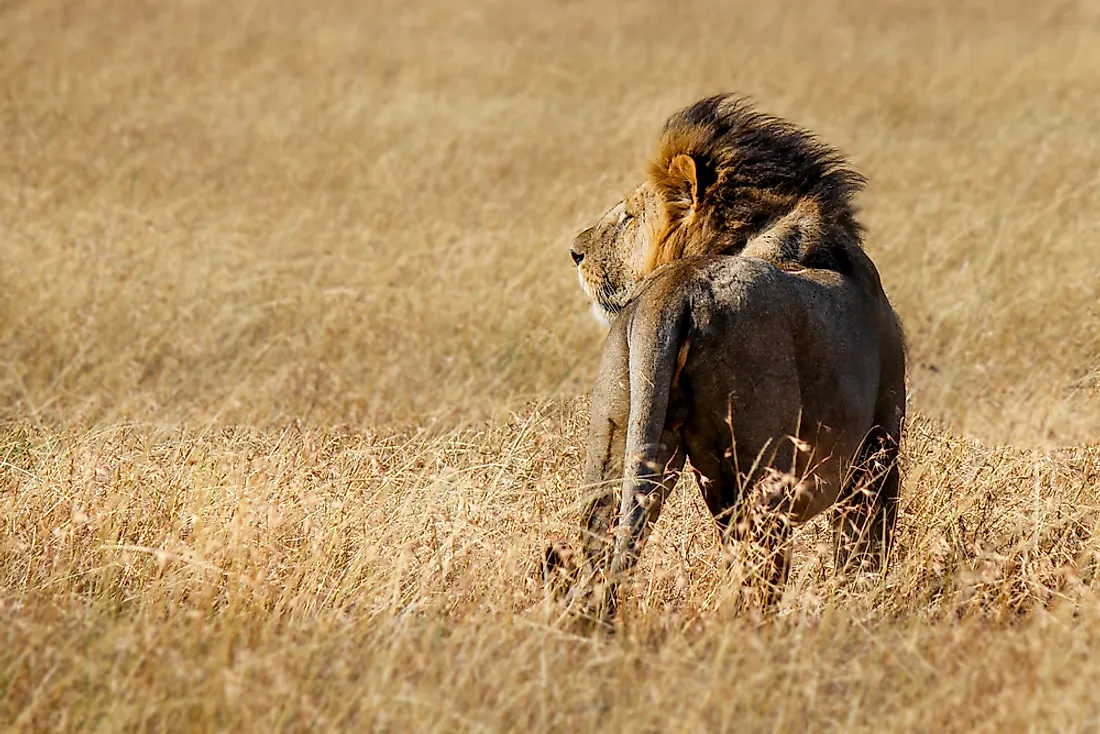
column 358, row 212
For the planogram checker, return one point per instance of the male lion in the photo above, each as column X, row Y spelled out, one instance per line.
column 750, row 334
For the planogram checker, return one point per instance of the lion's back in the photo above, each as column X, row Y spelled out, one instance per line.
column 771, row 342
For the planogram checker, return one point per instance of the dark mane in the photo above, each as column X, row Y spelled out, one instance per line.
column 762, row 185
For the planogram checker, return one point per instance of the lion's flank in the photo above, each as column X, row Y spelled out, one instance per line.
column 735, row 180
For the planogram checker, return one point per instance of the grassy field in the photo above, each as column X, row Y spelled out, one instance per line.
column 294, row 363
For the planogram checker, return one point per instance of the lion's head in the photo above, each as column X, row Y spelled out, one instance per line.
column 612, row 255
column 726, row 180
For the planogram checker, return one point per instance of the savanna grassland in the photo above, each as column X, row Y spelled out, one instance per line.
column 294, row 360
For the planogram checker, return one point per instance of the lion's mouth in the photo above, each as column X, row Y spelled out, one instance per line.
column 605, row 305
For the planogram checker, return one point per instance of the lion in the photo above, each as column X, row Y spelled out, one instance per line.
column 749, row 335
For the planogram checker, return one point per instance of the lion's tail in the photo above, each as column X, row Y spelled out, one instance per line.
column 658, row 339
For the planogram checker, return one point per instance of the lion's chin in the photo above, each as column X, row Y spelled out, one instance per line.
column 603, row 316
column 602, row 313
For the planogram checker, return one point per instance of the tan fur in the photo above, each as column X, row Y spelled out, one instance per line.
column 750, row 336
column 776, row 243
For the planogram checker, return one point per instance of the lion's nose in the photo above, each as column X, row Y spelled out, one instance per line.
column 578, row 257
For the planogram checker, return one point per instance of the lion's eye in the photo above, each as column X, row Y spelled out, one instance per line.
column 625, row 217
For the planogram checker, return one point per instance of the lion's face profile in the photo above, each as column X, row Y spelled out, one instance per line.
column 611, row 256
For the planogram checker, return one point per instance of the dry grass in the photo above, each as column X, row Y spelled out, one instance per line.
column 292, row 350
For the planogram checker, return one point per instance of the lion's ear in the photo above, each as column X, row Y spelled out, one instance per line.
column 684, row 179
column 677, row 181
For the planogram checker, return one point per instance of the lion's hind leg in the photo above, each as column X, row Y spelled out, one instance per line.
column 863, row 528
column 754, row 524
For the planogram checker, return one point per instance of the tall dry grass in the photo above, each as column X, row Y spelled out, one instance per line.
column 292, row 357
